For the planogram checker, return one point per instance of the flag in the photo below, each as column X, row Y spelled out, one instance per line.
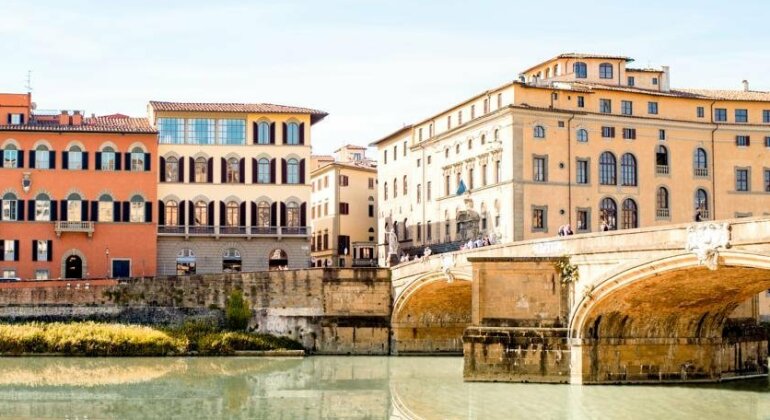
column 461, row 188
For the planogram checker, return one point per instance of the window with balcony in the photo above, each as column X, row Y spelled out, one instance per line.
column 263, row 171
column 661, row 160
column 292, row 214
column 42, row 208
column 701, row 204
column 661, row 208
column 201, row 170
column 263, row 214
column 700, row 162
column 201, row 213
column 292, row 171
column 232, row 173
column 75, row 208
column 105, row 209
column 172, row 169
column 171, row 209
column 232, row 214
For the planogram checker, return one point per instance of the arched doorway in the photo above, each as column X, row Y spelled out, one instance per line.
column 73, row 267
column 278, row 260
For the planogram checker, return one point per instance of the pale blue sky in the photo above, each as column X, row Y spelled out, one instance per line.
column 373, row 65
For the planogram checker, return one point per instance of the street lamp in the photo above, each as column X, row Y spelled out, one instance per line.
column 107, row 261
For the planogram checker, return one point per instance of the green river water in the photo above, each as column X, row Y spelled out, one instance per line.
column 336, row 387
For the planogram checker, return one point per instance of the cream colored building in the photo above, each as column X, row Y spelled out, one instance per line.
column 233, row 186
column 580, row 139
column 343, row 210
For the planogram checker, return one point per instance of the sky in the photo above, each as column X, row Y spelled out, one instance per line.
column 374, row 65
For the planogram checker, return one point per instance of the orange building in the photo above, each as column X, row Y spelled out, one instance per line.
column 77, row 193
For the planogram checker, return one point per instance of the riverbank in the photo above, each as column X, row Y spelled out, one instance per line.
column 118, row 340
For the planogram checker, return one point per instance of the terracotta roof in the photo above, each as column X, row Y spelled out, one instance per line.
column 108, row 124
column 395, row 133
column 321, row 157
column 579, row 56
column 645, row 70
column 315, row 115
column 351, row 146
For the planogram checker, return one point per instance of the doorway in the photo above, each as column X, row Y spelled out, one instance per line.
column 73, row 267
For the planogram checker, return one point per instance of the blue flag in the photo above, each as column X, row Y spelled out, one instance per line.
column 461, row 188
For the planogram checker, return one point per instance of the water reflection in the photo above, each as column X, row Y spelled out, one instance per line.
column 334, row 387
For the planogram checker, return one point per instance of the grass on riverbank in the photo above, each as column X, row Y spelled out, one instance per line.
column 94, row 339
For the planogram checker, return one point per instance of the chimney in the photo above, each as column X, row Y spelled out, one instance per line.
column 64, row 117
column 77, row 118
column 745, row 85
column 665, row 84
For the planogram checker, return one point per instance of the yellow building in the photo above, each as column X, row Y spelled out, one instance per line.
column 579, row 139
column 343, row 210
column 232, row 189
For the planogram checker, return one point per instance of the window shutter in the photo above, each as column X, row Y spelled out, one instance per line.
column 2, row 250
column 284, row 133
column 253, row 206
column 20, row 154
column 254, row 133
column 148, row 211
column 274, row 214
column 272, row 171
column 31, row 210
column 16, row 250
column 65, row 160
column 302, row 171
column 302, row 133
column 63, row 215
column 85, row 160
column 272, row 133
column 148, row 162
column 49, row 256
column 303, row 214
column 98, row 161
column 180, row 177
column 10, row 119
column 126, row 212
column 127, row 163
column 223, row 170
column 54, row 211
column 94, row 211
column 242, row 171
column 192, row 170
column 190, row 213
column 182, row 213
column 210, row 171
column 283, row 170
column 162, row 169
column 211, row 213
column 20, row 210
column 84, row 210
column 32, row 159
column 116, row 211
column 34, row 250
column 52, row 159
column 118, row 161
column 242, row 214
column 253, row 170
column 161, row 213
column 283, row 214
column 222, row 215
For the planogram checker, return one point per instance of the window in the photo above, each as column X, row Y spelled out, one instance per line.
column 582, row 171
column 470, row 179
column 428, row 192
column 233, row 170
column 385, row 191
column 201, row 213
column 700, row 162
column 582, row 135
column 385, row 157
column 605, row 106
column 429, row 160
column 263, row 133
column 652, row 107
column 344, row 208
column 700, row 112
column 10, row 207
column 371, row 206
column 766, row 116
column 419, row 231
column 42, row 208
column 767, row 180
column 404, row 152
column 263, row 214
column 607, row 169
column 661, row 156
column 661, row 134
column 105, row 209
column 232, row 214
column 661, row 203
column 292, row 214
column 539, row 169
column 608, row 212
column 701, row 203
column 406, row 191
column 42, row 157
column 185, row 262
column 628, row 170
column 172, row 168
column 470, row 143
column 137, row 159
column 539, row 222
column 498, row 172
column 630, row 216
column 448, row 122
column 200, row 131
column 654, row 80
column 41, row 274
column 720, row 114
column 767, row 141
column 484, row 175
column 500, row 99
column 232, row 131
column 371, row 183
column 419, row 193
column 419, row 163
column 626, row 107
column 580, row 69
column 136, row 211
column 201, row 169
column 608, row 132
column 16, row 119
column 231, row 261
column 446, row 185
column 457, row 149
column 539, row 132
column 75, row 158
column 395, row 153
column 605, row 71
column 742, row 141
column 486, row 105
column 741, row 115
column 583, row 220
column 741, row 179
column 172, row 213
column 74, row 208
column 429, row 231
column 171, row 130
column 292, row 168
column 631, row 81
column 9, row 253
column 629, row 133
column 581, row 101
column 263, row 171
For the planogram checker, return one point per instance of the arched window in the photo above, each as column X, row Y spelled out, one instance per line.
column 231, row 261
column 608, row 212
column 548, row 73
column 582, row 135
column 233, row 170
column 42, row 157
column 105, row 208
column 10, row 156
column 292, row 168
column 10, row 206
column 172, row 213
column 75, row 158
column 661, row 202
column 580, row 69
column 395, row 187
column 605, row 71
column 702, row 203
column 607, row 169
column 630, row 216
column 172, row 169
column 74, row 208
column 136, row 212
column 108, row 159
column 292, row 214
column 263, row 133
column 292, row 133
column 232, row 214
column 201, row 213
column 700, row 162
column 539, row 132
column 404, row 184
column 628, row 169
column 201, row 169
column 457, row 149
column 263, row 214
column 185, row 262
column 43, row 208
column 137, row 159
column 556, row 70
column 470, row 143
column 263, row 171
column 385, row 191
column 446, row 153
column 497, row 136
column 661, row 156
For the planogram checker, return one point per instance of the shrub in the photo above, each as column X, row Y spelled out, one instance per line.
column 237, row 312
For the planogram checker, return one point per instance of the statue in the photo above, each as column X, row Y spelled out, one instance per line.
column 705, row 240
column 392, row 242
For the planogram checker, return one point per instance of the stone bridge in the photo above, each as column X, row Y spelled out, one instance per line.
column 672, row 303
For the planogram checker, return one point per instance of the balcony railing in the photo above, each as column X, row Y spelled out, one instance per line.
column 662, row 213
column 661, row 169
column 705, row 214
column 364, row 262
column 703, row 172
column 232, row 231
column 78, row 227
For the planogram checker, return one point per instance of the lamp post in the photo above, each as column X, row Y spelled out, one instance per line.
column 107, row 261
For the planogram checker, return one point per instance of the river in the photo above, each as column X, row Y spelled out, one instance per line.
column 336, row 387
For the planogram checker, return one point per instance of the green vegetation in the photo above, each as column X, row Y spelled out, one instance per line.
column 94, row 339
column 237, row 312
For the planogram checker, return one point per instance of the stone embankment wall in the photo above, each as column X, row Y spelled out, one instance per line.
column 332, row 311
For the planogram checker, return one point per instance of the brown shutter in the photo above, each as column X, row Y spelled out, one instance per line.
column 283, row 171
column 161, row 169
column 223, row 170
column 253, row 170
column 302, row 133
column 272, row 171
column 180, row 176
column 272, row 133
column 210, row 171
column 302, row 171
column 242, row 171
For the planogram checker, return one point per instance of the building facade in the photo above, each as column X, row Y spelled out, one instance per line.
column 233, row 186
column 580, row 139
column 343, row 210
column 78, row 194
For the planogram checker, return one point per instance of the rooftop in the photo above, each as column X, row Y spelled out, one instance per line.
column 105, row 124
column 581, row 56
column 315, row 115
column 351, row 146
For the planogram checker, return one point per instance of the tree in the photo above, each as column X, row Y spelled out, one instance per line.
column 237, row 312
